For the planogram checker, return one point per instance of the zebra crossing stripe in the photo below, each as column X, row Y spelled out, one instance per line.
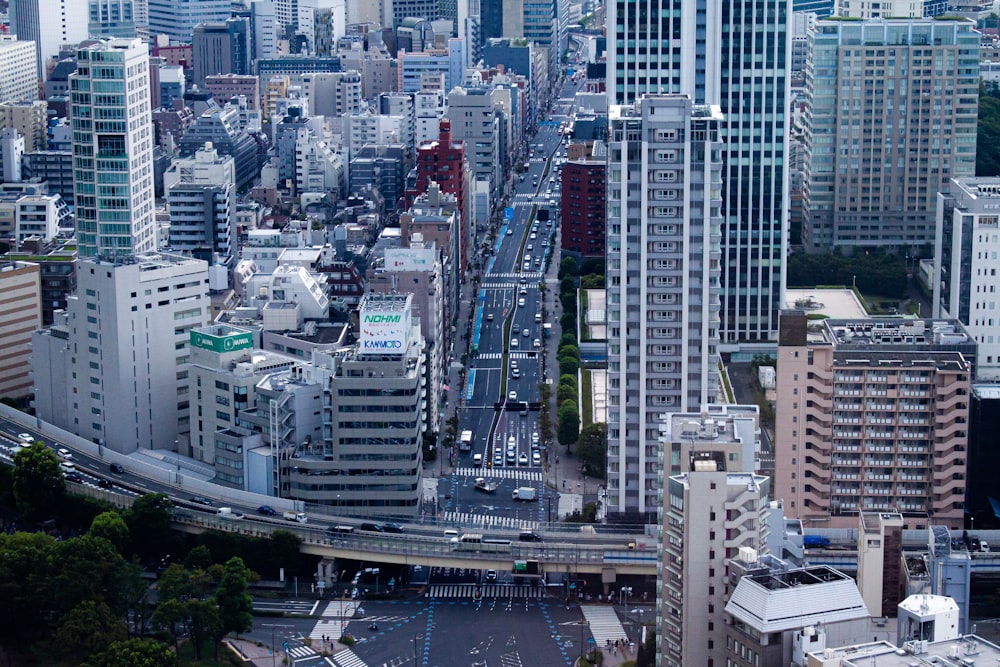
column 491, row 591
column 604, row 623
column 502, row 473
column 326, row 628
column 487, row 520
column 347, row 658
column 301, row 652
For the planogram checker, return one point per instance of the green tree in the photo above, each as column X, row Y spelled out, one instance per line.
column 285, row 550
column 174, row 583
column 592, row 281
column 85, row 568
column 569, row 423
column 592, row 266
column 170, row 615
column 568, row 301
column 24, row 613
column 87, row 628
column 566, row 393
column 235, row 603
column 203, row 622
column 149, row 525
column 112, row 527
column 39, row 485
column 569, row 352
column 592, row 449
column 567, row 321
column 568, row 267
column 135, row 594
column 199, row 558
column 568, row 338
column 135, row 653
column 429, row 446
column 568, row 366
column 567, row 285
column 570, row 380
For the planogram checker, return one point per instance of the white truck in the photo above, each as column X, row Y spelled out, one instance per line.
column 298, row 517
column 228, row 513
column 525, row 493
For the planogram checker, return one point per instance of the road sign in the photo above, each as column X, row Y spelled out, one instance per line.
column 508, row 213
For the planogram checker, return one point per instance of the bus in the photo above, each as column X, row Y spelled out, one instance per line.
column 465, row 441
column 476, row 542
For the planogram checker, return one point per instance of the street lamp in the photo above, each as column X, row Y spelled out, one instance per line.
column 415, row 638
column 584, row 624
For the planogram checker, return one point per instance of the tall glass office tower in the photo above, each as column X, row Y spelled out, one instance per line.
column 113, row 149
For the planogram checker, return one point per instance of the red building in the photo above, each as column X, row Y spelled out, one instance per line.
column 443, row 161
column 584, row 216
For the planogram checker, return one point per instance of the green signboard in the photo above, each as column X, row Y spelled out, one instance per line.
column 231, row 342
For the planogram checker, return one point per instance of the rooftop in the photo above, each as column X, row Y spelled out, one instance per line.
column 840, row 302
column 962, row 652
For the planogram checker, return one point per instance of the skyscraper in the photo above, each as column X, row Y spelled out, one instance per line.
column 662, row 283
column 112, row 18
column 734, row 55
column 59, row 22
column 731, row 56
column 112, row 149
column 177, row 18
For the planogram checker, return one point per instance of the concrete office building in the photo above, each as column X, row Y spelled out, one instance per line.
column 708, row 515
column 40, row 217
column 221, row 48
column 201, row 198
column 29, row 119
column 224, row 370
column 872, row 416
column 743, row 69
column 177, row 18
column 21, row 314
column 477, row 120
column 880, row 560
column 49, row 24
column 57, row 262
column 227, row 86
column 416, row 69
column 11, row 155
column 18, row 71
column 333, row 94
column 891, row 112
column 223, row 129
column 663, row 292
column 53, row 167
column 966, row 244
column 111, row 368
column 115, row 154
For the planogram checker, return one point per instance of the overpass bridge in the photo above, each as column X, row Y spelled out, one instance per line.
column 581, row 556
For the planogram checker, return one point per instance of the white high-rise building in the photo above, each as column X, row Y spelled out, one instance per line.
column 709, row 516
column 201, row 197
column 663, row 283
column 177, row 18
column 113, row 149
column 49, row 24
column 18, row 71
column 112, row 367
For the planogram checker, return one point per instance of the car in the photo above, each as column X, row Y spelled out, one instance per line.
column 515, row 373
column 536, row 459
column 64, row 454
column 520, row 303
column 522, row 460
column 267, row 510
column 511, row 441
column 538, row 317
column 536, row 343
column 511, row 458
column 104, row 483
column 26, row 438
column 524, row 290
column 513, row 342
column 117, row 468
column 512, row 395
column 529, row 536
column 370, row 527
column 202, row 500
column 489, row 318
column 525, row 333
column 392, row 528
column 491, row 575
column 533, row 235
column 498, row 459
column 513, row 363
column 510, row 232
column 74, row 477
column 67, row 466
column 534, row 437
column 529, row 247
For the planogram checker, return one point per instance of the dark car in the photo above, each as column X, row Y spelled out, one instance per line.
column 391, row 528
column 370, row 527
column 267, row 510
column 202, row 500
column 104, row 483
column 528, row 536
column 117, row 468
column 74, row 477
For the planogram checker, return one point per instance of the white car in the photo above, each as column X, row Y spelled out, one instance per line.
column 68, row 467
column 26, row 438
column 513, row 342
column 512, row 396
column 525, row 333
column 537, row 343
column 522, row 460
column 64, row 454
column 536, row 458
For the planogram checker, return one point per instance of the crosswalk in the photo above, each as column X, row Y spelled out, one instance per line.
column 604, row 623
column 527, row 275
column 502, row 473
column 327, row 629
column 470, row 520
column 499, row 355
column 347, row 658
column 300, row 652
column 490, row 591
column 340, row 609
